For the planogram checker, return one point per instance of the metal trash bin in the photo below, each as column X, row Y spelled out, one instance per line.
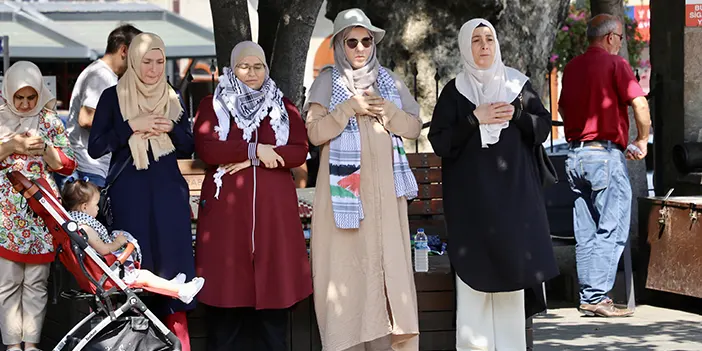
column 674, row 234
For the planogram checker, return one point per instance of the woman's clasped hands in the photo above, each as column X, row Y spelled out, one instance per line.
column 25, row 144
column 368, row 104
column 494, row 113
column 265, row 153
column 150, row 125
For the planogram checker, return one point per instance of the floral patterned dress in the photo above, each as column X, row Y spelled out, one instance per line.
column 23, row 237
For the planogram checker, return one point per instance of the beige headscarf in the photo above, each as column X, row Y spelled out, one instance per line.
column 247, row 48
column 12, row 122
column 137, row 99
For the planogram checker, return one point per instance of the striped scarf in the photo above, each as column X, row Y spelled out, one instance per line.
column 345, row 157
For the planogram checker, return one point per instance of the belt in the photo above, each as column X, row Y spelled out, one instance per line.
column 599, row 144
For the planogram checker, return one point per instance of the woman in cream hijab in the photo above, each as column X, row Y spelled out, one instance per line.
column 358, row 112
column 486, row 127
column 32, row 141
column 142, row 123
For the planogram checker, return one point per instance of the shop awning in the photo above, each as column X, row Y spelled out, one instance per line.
column 78, row 31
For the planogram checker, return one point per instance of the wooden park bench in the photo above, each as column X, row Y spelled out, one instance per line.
column 436, row 297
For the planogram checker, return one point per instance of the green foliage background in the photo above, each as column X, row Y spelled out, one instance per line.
column 571, row 39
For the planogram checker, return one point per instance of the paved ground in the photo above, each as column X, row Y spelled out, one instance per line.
column 651, row 328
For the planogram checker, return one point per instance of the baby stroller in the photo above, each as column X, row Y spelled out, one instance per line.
column 125, row 327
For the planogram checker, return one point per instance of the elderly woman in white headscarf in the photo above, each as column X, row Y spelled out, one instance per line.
column 358, row 112
column 250, row 245
column 487, row 126
column 32, row 141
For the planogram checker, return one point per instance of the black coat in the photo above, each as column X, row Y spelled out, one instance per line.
column 496, row 220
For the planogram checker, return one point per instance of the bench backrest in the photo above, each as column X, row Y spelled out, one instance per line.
column 427, row 210
column 194, row 173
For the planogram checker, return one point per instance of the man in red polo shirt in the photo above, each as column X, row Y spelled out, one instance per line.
column 598, row 87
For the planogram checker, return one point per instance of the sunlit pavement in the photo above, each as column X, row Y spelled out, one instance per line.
column 651, row 328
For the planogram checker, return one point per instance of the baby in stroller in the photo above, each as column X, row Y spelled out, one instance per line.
column 81, row 198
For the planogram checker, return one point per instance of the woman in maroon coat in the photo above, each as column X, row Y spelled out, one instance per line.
column 250, row 245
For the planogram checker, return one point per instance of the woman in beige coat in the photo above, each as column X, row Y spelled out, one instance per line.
column 358, row 112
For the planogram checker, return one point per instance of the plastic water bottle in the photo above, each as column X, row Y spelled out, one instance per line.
column 421, row 252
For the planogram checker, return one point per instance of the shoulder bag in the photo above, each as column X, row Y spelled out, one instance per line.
column 547, row 172
column 105, row 206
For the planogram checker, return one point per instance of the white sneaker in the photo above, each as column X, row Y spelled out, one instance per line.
column 188, row 290
column 179, row 279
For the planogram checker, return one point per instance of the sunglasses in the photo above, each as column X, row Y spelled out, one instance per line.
column 353, row 43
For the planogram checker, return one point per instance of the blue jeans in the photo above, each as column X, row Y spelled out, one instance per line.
column 92, row 178
column 601, row 216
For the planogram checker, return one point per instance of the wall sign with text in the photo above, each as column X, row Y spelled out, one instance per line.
column 642, row 16
column 693, row 13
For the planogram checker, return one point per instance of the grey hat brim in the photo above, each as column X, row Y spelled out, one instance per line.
column 378, row 34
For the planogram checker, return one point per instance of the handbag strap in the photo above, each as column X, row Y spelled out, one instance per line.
column 112, row 178
column 521, row 102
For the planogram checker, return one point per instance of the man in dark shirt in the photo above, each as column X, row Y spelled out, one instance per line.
column 598, row 87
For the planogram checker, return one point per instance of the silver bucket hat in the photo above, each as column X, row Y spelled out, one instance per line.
column 356, row 18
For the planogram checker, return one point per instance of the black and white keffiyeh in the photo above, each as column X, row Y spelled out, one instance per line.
column 248, row 107
column 345, row 156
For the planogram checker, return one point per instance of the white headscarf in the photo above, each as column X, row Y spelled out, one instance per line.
column 498, row 83
column 12, row 121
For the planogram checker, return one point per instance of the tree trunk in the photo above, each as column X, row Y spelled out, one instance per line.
column 292, row 42
column 580, row 3
column 612, row 7
column 230, row 19
column 637, row 169
column 422, row 35
column 270, row 11
column 285, row 29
